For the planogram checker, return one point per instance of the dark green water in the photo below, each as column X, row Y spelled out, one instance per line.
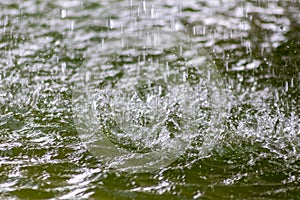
column 255, row 46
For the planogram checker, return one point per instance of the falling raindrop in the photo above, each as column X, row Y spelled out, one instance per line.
column 63, row 13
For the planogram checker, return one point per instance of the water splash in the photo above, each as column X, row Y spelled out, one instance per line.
column 144, row 96
column 41, row 155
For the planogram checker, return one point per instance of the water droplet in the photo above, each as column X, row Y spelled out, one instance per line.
column 72, row 25
column 63, row 13
column 57, row 43
column 286, row 86
column 152, row 11
column 63, row 67
column 144, row 6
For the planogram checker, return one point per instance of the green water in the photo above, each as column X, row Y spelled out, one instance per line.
column 255, row 47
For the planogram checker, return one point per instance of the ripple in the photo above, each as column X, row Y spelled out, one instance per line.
column 162, row 90
column 151, row 94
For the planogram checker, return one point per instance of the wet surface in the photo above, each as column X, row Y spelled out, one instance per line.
column 255, row 47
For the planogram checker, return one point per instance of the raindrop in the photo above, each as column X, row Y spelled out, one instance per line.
column 63, row 67
column 63, row 13
column 248, row 48
column 72, row 25
column 286, row 86
column 10, row 58
column 35, row 96
column 292, row 82
column 194, row 30
column 152, row 11
column 144, row 6
column 226, row 65
column 110, row 23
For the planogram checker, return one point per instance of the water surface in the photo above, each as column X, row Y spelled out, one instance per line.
column 254, row 48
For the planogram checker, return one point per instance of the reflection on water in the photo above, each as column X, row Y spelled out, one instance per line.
column 254, row 45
